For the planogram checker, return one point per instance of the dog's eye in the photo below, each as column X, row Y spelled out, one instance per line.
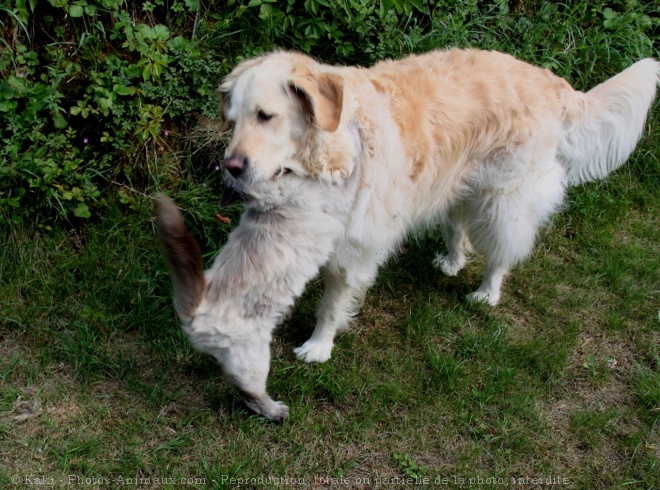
column 282, row 171
column 263, row 117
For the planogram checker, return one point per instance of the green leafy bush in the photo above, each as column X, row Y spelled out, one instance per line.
column 94, row 93
column 87, row 85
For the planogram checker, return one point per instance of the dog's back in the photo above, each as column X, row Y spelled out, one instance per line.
column 457, row 106
column 464, row 105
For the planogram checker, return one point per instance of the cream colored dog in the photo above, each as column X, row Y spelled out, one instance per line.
column 336, row 166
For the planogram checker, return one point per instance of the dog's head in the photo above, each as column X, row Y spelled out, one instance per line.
column 289, row 126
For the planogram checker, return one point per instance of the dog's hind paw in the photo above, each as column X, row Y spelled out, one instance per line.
column 314, row 351
column 447, row 266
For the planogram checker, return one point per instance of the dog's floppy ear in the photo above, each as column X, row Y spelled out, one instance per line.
column 224, row 90
column 322, row 97
column 224, row 102
column 224, row 93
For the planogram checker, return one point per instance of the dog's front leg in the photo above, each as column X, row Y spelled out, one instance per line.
column 246, row 363
column 339, row 304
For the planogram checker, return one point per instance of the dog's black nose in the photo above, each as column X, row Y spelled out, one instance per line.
column 236, row 165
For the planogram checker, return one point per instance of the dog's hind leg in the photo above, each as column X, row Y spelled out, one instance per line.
column 455, row 236
column 338, row 306
column 489, row 291
column 505, row 217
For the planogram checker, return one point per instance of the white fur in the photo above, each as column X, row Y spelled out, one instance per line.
column 609, row 121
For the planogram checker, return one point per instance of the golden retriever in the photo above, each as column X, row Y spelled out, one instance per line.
column 337, row 165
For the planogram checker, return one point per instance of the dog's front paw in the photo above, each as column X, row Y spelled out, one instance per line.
column 314, row 351
column 482, row 297
column 447, row 266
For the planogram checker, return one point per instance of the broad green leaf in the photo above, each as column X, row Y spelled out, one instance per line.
column 161, row 31
column 8, row 105
column 265, row 11
column 76, row 11
column 179, row 43
column 157, row 69
column 121, row 90
column 17, row 83
column 146, row 71
column 59, row 121
column 82, row 211
column 193, row 5
column 14, row 202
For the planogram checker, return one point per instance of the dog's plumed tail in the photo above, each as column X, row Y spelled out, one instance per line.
column 184, row 258
column 604, row 124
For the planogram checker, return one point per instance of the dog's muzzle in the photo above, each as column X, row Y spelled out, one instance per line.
column 236, row 167
column 231, row 194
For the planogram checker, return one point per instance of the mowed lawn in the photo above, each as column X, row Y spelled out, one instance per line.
column 558, row 386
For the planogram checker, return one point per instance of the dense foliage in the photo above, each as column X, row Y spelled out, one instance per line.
column 96, row 96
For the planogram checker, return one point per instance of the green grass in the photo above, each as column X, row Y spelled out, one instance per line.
column 561, row 380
